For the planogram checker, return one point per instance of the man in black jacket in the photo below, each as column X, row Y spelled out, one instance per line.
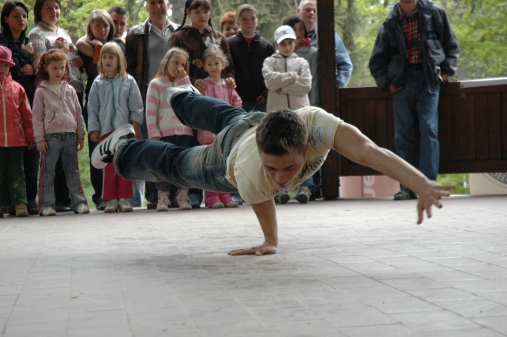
column 415, row 51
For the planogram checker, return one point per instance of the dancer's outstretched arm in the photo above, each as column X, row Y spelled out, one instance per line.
column 351, row 143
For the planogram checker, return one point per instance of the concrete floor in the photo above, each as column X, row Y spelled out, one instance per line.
column 343, row 268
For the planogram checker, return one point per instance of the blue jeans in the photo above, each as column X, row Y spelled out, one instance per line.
column 62, row 145
column 203, row 166
column 416, row 108
column 183, row 141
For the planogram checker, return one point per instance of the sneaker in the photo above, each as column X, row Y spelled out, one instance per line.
column 226, row 199
column 104, row 152
column 48, row 211
column 212, row 200
column 163, row 203
column 82, row 209
column 182, row 88
column 405, row 195
column 237, row 198
column 102, row 206
column 303, row 195
column 183, row 202
column 21, row 210
column 195, row 199
column 282, row 198
column 111, row 206
column 124, row 206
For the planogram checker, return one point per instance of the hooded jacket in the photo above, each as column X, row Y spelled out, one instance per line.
column 15, row 116
column 288, row 80
column 55, row 114
column 388, row 61
column 195, row 44
column 113, row 102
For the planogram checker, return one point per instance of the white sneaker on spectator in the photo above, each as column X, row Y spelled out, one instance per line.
column 82, row 209
column 48, row 211
column 124, row 206
column 111, row 206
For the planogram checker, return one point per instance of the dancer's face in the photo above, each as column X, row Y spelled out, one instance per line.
column 283, row 169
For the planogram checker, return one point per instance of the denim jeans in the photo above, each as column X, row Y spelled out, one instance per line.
column 416, row 108
column 183, row 141
column 201, row 166
column 62, row 145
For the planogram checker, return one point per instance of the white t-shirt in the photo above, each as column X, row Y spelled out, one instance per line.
column 245, row 169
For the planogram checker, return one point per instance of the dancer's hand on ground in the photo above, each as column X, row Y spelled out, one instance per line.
column 430, row 196
column 265, row 248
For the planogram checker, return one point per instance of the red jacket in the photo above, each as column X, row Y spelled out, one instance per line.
column 15, row 115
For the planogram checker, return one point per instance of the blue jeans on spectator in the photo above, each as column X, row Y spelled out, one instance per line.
column 416, row 108
column 200, row 166
column 62, row 145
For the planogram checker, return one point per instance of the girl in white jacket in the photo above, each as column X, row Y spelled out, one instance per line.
column 286, row 75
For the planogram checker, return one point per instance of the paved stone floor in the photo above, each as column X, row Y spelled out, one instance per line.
column 343, row 268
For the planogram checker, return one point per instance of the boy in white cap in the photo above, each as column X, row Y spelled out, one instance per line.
column 289, row 80
column 287, row 76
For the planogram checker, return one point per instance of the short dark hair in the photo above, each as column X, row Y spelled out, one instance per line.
column 118, row 10
column 38, row 7
column 282, row 132
column 6, row 11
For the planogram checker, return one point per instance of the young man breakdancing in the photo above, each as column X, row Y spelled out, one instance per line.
column 258, row 154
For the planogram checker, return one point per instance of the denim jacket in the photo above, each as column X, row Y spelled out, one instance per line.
column 388, row 61
column 114, row 102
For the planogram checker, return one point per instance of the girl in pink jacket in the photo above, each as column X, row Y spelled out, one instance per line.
column 16, row 132
column 215, row 62
column 59, row 131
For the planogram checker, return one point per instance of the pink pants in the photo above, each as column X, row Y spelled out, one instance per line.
column 115, row 187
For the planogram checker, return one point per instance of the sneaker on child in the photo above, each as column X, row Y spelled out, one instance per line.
column 21, row 210
column 111, row 206
column 124, row 206
column 282, row 198
column 48, row 211
column 303, row 195
column 226, row 199
column 163, row 203
column 183, row 202
column 213, row 200
column 82, row 209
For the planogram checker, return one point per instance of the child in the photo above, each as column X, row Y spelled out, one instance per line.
column 196, row 37
column 248, row 51
column 161, row 121
column 16, row 132
column 59, row 130
column 289, row 80
column 114, row 100
column 287, row 76
column 305, row 50
column 228, row 25
column 215, row 62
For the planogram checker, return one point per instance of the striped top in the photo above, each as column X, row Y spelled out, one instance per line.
column 160, row 118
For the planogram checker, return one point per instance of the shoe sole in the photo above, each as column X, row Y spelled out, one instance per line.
column 109, row 210
column 98, row 149
column 284, row 199
column 126, row 210
column 163, row 209
column 303, row 199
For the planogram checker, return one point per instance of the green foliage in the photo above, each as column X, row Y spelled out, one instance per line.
column 461, row 181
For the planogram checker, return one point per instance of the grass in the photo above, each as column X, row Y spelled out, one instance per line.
column 461, row 180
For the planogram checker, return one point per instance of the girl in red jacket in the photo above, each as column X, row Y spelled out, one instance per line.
column 16, row 132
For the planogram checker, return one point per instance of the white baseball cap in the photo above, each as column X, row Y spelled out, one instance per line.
column 284, row 32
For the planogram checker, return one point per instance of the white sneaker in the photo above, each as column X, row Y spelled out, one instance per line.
column 303, row 195
column 175, row 90
column 163, row 203
column 124, row 206
column 111, row 206
column 104, row 152
column 48, row 211
column 82, row 209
